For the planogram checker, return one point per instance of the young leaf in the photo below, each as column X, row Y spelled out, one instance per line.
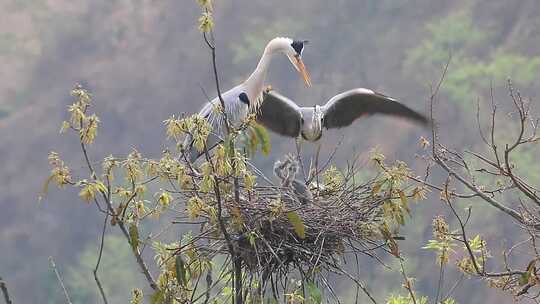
column 404, row 202
column 181, row 273
column 264, row 138
column 165, row 199
column 314, row 293
column 134, row 236
column 87, row 193
column 137, row 296
column 65, row 127
column 297, row 223
column 158, row 297
column 205, row 22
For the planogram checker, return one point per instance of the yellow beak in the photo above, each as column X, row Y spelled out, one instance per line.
column 301, row 68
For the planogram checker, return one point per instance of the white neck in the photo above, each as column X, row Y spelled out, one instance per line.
column 255, row 81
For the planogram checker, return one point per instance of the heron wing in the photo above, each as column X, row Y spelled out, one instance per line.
column 343, row 109
column 280, row 114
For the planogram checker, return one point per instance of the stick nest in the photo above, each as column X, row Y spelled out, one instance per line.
column 273, row 231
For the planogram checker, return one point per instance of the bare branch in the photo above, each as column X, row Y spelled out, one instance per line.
column 60, row 281
column 102, row 243
column 5, row 292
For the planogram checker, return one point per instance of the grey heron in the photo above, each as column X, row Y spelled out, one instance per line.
column 283, row 116
column 247, row 96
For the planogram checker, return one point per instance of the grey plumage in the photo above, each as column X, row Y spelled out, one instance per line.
column 281, row 115
column 247, row 96
column 286, row 171
column 236, row 112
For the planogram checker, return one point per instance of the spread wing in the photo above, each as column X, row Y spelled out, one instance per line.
column 280, row 114
column 343, row 109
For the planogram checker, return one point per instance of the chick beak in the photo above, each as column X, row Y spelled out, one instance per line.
column 301, row 68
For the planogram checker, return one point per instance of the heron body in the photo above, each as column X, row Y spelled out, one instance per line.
column 311, row 123
column 283, row 116
column 247, row 96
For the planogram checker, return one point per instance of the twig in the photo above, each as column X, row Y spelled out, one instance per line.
column 102, row 243
column 440, row 284
column 107, row 198
column 59, row 278
column 407, row 284
column 5, row 292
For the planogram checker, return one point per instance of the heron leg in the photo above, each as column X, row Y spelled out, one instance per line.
column 317, row 163
column 299, row 156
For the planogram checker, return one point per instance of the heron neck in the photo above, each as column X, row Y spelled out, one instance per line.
column 255, row 81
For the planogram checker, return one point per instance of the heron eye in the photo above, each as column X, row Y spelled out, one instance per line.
column 298, row 46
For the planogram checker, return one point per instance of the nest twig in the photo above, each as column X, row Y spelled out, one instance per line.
column 339, row 220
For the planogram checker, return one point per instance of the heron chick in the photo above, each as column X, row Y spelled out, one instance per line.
column 286, row 171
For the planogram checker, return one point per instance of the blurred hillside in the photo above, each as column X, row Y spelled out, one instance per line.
column 145, row 60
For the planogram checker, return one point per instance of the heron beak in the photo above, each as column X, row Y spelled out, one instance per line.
column 301, row 68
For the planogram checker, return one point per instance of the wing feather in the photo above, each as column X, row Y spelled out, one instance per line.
column 343, row 109
column 280, row 114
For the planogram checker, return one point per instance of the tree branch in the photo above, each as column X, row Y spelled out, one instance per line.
column 59, row 278
column 102, row 243
column 5, row 292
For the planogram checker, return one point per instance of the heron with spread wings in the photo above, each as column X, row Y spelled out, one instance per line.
column 283, row 116
column 246, row 97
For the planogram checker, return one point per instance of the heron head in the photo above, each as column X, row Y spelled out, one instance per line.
column 294, row 53
column 293, row 49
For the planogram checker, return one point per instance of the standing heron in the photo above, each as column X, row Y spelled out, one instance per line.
column 247, row 96
column 283, row 116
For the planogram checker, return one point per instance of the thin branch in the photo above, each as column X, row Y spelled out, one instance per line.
column 107, row 198
column 5, row 292
column 407, row 284
column 59, row 278
column 102, row 243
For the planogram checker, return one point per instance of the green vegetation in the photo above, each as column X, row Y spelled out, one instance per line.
column 118, row 272
column 475, row 64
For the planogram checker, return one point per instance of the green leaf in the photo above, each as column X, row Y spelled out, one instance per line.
column 206, row 22
column 314, row 292
column 264, row 138
column 181, row 273
column 404, row 202
column 297, row 223
column 165, row 198
column 87, row 193
column 65, row 126
column 524, row 279
column 134, row 236
column 476, row 243
column 227, row 291
column 158, row 297
column 100, row 186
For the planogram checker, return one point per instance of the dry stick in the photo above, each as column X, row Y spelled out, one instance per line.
column 53, row 265
column 98, row 282
column 4, row 289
